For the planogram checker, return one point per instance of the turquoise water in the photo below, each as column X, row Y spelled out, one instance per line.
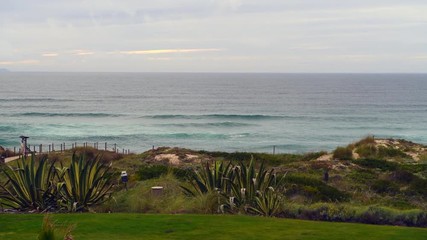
column 227, row 112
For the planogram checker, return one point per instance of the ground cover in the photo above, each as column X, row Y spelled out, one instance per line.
column 384, row 181
column 147, row 226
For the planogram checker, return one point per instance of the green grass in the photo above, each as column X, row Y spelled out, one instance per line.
column 142, row 226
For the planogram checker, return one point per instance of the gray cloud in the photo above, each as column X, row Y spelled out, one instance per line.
column 269, row 35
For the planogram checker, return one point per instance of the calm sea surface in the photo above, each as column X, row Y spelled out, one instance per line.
column 227, row 112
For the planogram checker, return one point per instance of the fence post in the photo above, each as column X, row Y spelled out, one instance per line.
column 40, row 149
column 64, row 146
column 34, row 148
column 14, row 150
column 49, row 149
column 105, row 146
column 53, row 147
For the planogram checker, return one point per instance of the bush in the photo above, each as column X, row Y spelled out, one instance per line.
column 365, row 141
column 313, row 188
column 403, row 176
column 385, row 186
column 349, row 213
column 418, row 186
column 415, row 168
column 375, row 163
column 378, row 215
column 367, row 151
column 343, row 153
column 423, row 158
column 363, row 176
column 6, row 153
column 389, row 152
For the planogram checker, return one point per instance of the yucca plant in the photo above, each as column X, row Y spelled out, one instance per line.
column 213, row 178
column 85, row 183
column 31, row 185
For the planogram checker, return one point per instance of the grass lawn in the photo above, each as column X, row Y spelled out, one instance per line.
column 143, row 226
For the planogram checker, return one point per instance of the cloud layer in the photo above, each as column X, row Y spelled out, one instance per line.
column 214, row 36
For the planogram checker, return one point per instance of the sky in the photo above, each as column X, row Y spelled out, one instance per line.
column 357, row 36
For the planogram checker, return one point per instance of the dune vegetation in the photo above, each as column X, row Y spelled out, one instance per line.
column 375, row 181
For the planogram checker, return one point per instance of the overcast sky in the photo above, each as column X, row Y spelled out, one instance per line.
column 214, row 36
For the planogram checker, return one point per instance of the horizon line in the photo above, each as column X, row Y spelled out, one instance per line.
column 206, row 72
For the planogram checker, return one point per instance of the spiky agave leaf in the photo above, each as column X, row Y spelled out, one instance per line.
column 31, row 185
column 210, row 178
column 248, row 184
column 85, row 183
column 267, row 203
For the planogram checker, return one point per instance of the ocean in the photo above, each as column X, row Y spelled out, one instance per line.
column 294, row 113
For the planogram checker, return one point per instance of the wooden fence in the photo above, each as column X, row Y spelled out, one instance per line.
column 62, row 147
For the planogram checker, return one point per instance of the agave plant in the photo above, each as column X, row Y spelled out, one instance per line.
column 240, row 188
column 31, row 185
column 267, row 203
column 248, row 182
column 211, row 179
column 85, row 183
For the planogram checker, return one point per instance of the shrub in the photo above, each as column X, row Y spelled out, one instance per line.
column 363, row 176
column 423, row 158
column 415, row 168
column 313, row 188
column 385, row 186
column 378, row 215
column 389, row 152
column 365, row 141
column 6, row 153
column 367, row 151
column 343, row 153
column 418, row 186
column 350, row 213
column 403, row 176
column 375, row 163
